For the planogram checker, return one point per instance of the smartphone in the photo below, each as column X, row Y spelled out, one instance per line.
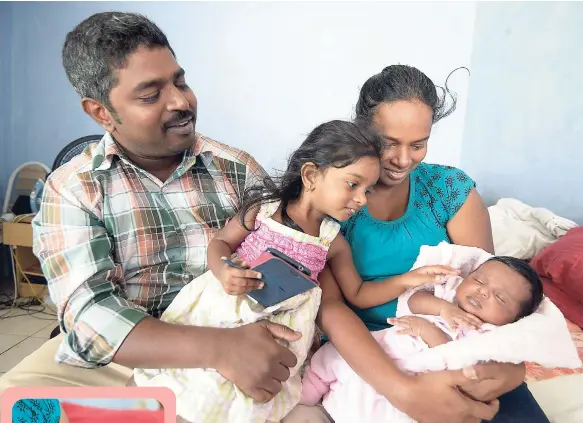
column 281, row 276
column 290, row 261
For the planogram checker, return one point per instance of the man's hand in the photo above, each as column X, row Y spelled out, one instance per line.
column 251, row 358
column 491, row 380
column 434, row 398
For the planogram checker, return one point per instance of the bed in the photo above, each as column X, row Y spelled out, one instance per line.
column 554, row 247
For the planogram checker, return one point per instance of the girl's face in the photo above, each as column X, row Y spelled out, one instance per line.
column 406, row 126
column 341, row 192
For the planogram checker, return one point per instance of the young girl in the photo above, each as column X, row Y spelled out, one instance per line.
column 327, row 180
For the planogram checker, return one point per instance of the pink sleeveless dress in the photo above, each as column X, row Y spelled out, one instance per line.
column 204, row 396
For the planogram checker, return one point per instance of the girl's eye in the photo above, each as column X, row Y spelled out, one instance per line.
column 151, row 99
column 352, row 184
column 479, row 282
column 500, row 299
column 368, row 191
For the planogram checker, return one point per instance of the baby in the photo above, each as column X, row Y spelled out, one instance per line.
column 501, row 291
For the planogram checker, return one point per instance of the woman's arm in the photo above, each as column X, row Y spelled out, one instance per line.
column 427, row 397
column 345, row 330
column 471, row 224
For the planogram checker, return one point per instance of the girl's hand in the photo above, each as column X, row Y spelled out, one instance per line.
column 238, row 281
column 456, row 317
column 429, row 275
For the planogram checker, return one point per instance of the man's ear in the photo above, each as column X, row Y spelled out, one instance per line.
column 99, row 113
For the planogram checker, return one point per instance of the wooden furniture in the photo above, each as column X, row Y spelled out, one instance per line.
column 18, row 236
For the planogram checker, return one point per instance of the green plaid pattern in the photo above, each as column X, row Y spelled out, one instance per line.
column 117, row 245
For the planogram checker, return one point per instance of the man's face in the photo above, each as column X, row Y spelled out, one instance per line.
column 155, row 108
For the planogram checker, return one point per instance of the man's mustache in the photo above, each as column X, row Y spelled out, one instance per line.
column 180, row 116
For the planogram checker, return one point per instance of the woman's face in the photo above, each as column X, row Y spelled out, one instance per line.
column 406, row 126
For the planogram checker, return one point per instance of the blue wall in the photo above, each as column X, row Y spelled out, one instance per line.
column 5, row 93
column 524, row 124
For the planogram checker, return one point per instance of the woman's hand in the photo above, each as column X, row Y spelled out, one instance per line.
column 456, row 317
column 238, row 280
column 491, row 380
column 435, row 398
column 428, row 275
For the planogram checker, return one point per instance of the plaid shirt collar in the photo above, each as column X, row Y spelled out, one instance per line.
column 108, row 149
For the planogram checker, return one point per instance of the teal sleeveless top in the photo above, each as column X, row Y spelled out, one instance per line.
column 36, row 411
column 382, row 249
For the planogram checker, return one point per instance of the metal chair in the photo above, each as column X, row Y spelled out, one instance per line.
column 74, row 149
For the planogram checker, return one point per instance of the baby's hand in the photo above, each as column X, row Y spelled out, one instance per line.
column 427, row 275
column 456, row 317
column 410, row 325
column 237, row 281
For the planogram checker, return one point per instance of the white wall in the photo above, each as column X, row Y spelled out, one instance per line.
column 265, row 73
column 524, row 128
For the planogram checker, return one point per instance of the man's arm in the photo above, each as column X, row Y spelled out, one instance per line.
column 74, row 248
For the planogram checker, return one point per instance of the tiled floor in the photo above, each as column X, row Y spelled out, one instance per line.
column 22, row 332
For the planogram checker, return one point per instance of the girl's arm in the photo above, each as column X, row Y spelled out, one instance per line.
column 371, row 294
column 223, row 245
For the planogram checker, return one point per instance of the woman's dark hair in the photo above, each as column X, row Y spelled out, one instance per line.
column 401, row 82
column 336, row 143
column 527, row 272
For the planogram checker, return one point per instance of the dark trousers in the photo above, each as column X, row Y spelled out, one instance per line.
column 519, row 406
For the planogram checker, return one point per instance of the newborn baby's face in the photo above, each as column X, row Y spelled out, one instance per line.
column 494, row 293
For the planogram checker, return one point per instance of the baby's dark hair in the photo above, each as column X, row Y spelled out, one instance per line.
column 535, row 283
column 332, row 144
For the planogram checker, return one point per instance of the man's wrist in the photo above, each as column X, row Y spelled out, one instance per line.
column 208, row 346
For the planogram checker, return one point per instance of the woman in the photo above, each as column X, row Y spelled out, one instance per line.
column 38, row 411
column 415, row 204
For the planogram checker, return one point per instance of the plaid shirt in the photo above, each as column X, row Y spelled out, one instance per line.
column 116, row 244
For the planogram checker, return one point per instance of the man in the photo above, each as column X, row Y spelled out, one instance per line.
column 124, row 226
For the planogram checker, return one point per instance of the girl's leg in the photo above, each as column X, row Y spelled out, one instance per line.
column 519, row 406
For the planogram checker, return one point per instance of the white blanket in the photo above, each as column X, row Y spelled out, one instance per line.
column 522, row 231
column 542, row 337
